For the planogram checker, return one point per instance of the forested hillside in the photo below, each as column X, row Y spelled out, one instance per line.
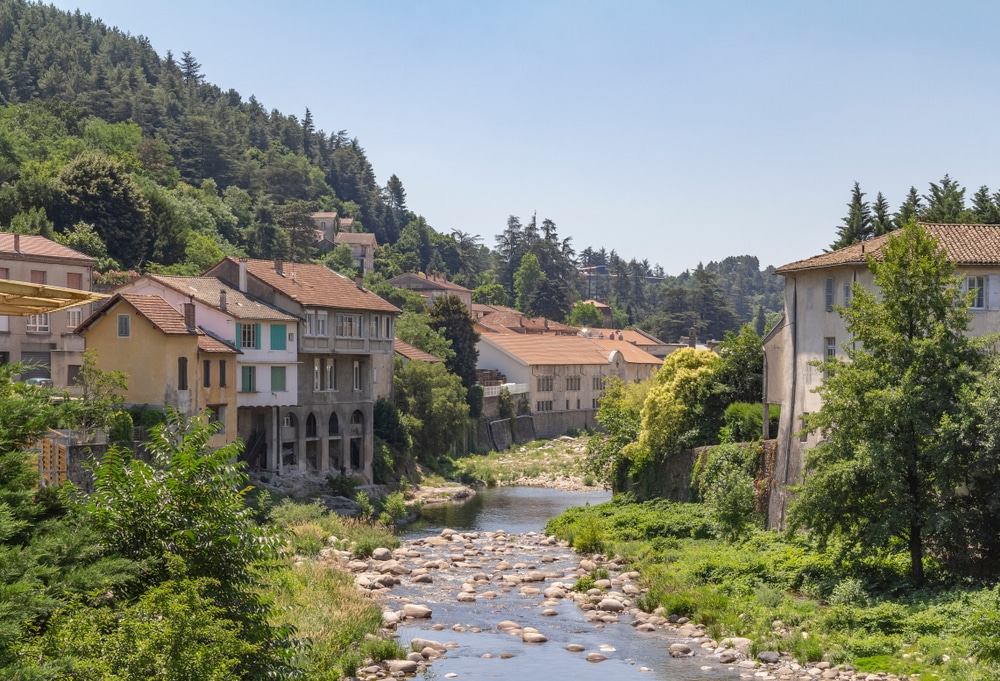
column 140, row 161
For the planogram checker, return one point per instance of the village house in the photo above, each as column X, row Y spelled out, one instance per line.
column 169, row 360
column 267, row 366
column 363, row 247
column 432, row 287
column 812, row 330
column 563, row 375
column 46, row 341
column 345, row 360
column 327, row 225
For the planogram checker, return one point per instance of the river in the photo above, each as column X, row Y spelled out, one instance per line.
column 473, row 625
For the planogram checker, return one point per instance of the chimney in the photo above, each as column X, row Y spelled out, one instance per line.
column 279, row 266
column 692, row 338
column 222, row 300
column 17, row 243
column 243, row 275
column 189, row 321
column 359, row 281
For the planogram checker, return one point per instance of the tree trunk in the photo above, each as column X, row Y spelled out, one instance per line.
column 916, row 553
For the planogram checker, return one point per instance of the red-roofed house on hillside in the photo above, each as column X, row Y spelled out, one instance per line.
column 165, row 355
column 345, row 355
column 812, row 330
column 432, row 287
column 363, row 247
column 565, row 374
column 46, row 341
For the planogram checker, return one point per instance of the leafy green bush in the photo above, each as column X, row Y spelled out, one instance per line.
column 584, row 584
column 589, row 535
column 365, row 508
column 849, row 591
column 394, row 505
column 342, row 485
column 381, row 649
column 983, row 627
column 869, row 645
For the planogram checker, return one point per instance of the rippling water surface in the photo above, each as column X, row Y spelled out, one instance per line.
column 521, row 510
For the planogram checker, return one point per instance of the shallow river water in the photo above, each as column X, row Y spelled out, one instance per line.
column 473, row 625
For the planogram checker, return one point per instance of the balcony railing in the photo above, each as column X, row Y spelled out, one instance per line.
column 512, row 388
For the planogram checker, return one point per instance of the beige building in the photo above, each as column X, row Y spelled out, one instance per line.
column 432, row 287
column 46, row 341
column 564, row 375
column 170, row 362
column 362, row 249
column 345, row 352
column 812, row 330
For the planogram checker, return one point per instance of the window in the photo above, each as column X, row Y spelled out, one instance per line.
column 74, row 280
column 321, row 329
column 278, row 337
column 374, row 375
column 38, row 323
column 182, row 373
column 4, row 273
column 72, row 374
column 544, row 383
column 847, row 294
column 331, row 374
column 829, row 294
column 375, row 327
column 37, row 276
column 543, row 405
column 248, row 379
column 387, row 326
column 357, row 375
column 4, row 324
column 578, row 403
column 206, row 373
column 222, row 373
column 316, row 323
column 831, row 352
column 978, row 286
column 597, row 383
column 278, row 379
column 349, row 325
column 567, row 405
column 248, row 335
column 124, row 325
column 573, row 383
column 317, row 374
column 593, row 403
column 74, row 318
column 217, row 414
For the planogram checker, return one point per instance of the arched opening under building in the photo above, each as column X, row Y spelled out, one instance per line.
column 357, row 439
column 334, row 443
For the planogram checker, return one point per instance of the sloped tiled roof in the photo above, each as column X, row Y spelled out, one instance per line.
column 631, row 353
column 208, row 343
column 316, row 285
column 39, row 246
column 362, row 238
column 965, row 244
column 159, row 312
column 418, row 281
column 409, row 352
column 596, row 303
column 323, row 215
column 535, row 350
column 238, row 304
column 512, row 321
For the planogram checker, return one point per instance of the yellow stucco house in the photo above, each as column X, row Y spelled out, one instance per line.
column 169, row 360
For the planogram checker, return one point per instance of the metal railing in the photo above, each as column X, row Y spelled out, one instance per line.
column 512, row 388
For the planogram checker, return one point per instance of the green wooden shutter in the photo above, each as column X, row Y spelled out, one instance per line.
column 256, row 336
column 277, row 336
column 239, row 335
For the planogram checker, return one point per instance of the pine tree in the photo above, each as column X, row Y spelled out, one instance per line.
column 946, row 203
column 857, row 225
column 910, row 210
column 881, row 217
column 984, row 209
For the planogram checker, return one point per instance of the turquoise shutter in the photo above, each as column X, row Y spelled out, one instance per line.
column 239, row 335
column 277, row 336
column 256, row 336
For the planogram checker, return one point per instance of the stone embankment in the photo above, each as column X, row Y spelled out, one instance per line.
column 454, row 567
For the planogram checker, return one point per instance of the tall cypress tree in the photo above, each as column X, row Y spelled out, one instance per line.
column 881, row 217
column 857, row 223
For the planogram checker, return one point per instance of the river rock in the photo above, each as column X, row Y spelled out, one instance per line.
column 535, row 577
column 610, row 605
column 427, row 643
column 422, row 579
column 507, row 624
column 596, row 657
column 739, row 643
column 728, row 656
column 768, row 656
column 405, row 666
column 488, row 594
column 533, row 637
column 416, row 611
column 575, row 648
column 466, row 597
column 680, row 650
column 646, row 627
column 548, row 612
column 529, row 591
column 357, row 566
column 381, row 553
column 603, row 584
column 393, row 567
column 588, row 565
column 503, row 565
column 429, row 653
column 436, row 541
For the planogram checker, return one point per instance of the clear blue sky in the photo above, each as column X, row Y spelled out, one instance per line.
column 676, row 132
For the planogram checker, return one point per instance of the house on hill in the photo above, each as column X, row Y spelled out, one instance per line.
column 432, row 287
column 363, row 247
column 812, row 330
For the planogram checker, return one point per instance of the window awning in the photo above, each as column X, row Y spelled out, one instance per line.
column 20, row 298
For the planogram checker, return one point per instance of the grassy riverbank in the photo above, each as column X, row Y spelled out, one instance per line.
column 543, row 463
column 788, row 596
column 320, row 601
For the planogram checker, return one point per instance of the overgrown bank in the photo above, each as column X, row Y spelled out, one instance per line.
column 791, row 597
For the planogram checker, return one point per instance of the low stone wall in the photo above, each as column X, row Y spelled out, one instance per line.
column 553, row 424
column 500, row 434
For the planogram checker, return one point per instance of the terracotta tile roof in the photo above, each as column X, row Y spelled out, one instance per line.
column 516, row 322
column 346, row 223
column 316, row 285
column 207, row 343
column 238, row 304
column 965, row 244
column 323, row 216
column 535, row 350
column 32, row 245
column 596, row 303
column 631, row 353
column 159, row 312
column 416, row 281
column 361, row 238
column 409, row 352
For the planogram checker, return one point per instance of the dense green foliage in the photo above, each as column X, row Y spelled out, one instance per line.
column 434, row 404
column 900, row 460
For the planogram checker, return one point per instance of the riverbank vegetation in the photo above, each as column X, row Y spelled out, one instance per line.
column 164, row 569
column 788, row 594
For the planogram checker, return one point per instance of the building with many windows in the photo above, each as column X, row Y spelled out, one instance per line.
column 345, row 353
column 44, row 341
